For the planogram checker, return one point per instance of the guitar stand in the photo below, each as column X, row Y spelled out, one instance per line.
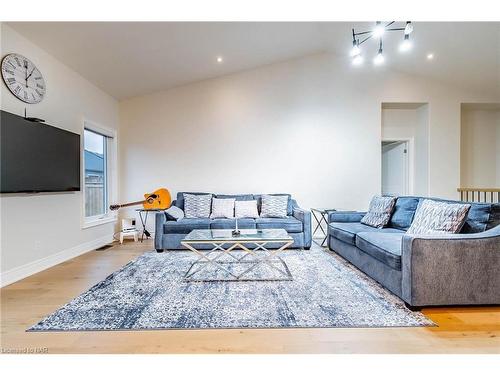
column 144, row 220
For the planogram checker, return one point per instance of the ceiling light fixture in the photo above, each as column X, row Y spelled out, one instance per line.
column 406, row 44
column 219, row 59
column 358, row 60
column 355, row 51
column 379, row 32
column 408, row 28
column 379, row 58
column 430, row 56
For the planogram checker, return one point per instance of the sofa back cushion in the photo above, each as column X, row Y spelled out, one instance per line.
column 238, row 197
column 403, row 213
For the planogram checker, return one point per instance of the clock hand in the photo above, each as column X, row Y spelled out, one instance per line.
column 30, row 73
column 26, row 75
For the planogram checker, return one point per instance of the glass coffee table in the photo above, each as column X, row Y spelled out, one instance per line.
column 245, row 257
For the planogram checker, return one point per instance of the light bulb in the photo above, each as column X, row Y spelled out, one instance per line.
column 430, row 56
column 358, row 60
column 379, row 59
column 379, row 30
column 408, row 28
column 406, row 45
column 219, row 59
column 355, row 51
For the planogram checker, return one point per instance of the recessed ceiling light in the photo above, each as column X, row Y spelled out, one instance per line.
column 219, row 59
column 430, row 56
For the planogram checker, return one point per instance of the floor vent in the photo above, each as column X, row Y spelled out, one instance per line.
column 105, row 247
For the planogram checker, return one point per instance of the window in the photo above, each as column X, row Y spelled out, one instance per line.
column 95, row 147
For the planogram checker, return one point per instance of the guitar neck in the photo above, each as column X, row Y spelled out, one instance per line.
column 132, row 203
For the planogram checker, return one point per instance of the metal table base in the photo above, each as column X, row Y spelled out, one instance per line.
column 240, row 255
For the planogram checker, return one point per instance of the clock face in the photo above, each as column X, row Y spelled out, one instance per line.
column 23, row 78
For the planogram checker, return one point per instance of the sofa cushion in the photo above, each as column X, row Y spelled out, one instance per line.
column 290, row 224
column 346, row 232
column 404, row 210
column 185, row 225
column 238, row 197
column 231, row 224
column 386, row 247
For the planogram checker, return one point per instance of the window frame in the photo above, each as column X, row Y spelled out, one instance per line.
column 110, row 177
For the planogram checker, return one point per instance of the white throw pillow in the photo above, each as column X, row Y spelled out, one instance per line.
column 246, row 209
column 222, row 208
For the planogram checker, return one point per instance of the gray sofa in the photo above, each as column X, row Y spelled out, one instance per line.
column 170, row 233
column 425, row 270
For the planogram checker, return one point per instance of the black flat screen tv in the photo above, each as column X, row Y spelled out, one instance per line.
column 36, row 157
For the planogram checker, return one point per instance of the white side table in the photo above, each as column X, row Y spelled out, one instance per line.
column 128, row 233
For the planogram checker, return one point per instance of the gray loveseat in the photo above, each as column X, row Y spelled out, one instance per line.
column 425, row 270
column 170, row 233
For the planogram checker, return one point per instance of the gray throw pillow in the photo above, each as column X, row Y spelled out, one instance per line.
column 274, row 206
column 197, row 206
column 174, row 213
column 379, row 212
column 434, row 217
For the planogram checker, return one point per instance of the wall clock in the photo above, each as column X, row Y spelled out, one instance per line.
column 23, row 78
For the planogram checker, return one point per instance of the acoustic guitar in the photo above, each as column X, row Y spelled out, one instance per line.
column 158, row 200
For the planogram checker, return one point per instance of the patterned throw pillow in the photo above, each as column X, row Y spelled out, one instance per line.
column 246, row 209
column 197, row 206
column 222, row 208
column 274, row 206
column 380, row 210
column 438, row 217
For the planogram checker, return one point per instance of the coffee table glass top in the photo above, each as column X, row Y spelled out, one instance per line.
column 246, row 235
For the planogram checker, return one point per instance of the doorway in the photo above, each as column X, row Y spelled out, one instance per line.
column 395, row 167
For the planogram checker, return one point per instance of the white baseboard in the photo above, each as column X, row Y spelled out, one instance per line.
column 18, row 273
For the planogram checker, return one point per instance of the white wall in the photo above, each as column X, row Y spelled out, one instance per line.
column 410, row 122
column 311, row 127
column 480, row 148
column 40, row 230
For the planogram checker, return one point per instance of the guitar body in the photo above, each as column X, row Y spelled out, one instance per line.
column 161, row 201
column 158, row 200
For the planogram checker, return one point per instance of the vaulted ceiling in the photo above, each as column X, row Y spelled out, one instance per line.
column 126, row 59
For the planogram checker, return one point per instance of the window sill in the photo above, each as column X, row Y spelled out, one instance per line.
column 95, row 222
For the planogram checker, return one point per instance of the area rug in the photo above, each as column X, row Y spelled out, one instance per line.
column 150, row 293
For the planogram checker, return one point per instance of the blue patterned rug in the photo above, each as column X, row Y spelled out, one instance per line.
column 149, row 293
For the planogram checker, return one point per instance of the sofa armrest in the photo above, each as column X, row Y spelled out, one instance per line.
column 345, row 216
column 305, row 217
column 160, row 219
column 455, row 269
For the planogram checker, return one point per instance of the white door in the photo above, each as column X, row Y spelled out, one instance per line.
column 395, row 175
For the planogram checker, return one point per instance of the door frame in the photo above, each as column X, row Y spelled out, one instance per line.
column 410, row 160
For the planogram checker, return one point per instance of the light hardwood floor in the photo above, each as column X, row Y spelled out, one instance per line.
column 24, row 303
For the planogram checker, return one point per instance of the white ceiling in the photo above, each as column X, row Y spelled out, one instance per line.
column 127, row 59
